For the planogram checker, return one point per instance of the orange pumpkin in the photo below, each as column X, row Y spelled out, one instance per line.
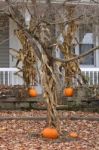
column 50, row 133
column 32, row 92
column 69, row 91
column 73, row 134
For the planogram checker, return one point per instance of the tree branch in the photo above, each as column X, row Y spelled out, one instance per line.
column 77, row 57
column 30, row 38
column 62, row 22
column 95, row 1
column 33, row 40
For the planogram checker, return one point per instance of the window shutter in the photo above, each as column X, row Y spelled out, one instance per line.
column 4, row 41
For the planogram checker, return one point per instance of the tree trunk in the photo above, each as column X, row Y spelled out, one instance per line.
column 48, row 80
column 53, row 118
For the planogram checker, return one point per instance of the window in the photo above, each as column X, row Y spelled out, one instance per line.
column 86, row 43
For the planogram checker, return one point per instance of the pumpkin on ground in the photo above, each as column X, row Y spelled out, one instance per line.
column 73, row 134
column 50, row 133
column 69, row 91
column 32, row 92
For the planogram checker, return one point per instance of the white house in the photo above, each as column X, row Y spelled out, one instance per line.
column 87, row 39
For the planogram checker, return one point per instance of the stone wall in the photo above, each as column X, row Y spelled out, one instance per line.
column 85, row 98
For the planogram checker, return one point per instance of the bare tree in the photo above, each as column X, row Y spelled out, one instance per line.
column 40, row 36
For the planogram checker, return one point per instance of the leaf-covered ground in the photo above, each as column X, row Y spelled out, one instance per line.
column 25, row 135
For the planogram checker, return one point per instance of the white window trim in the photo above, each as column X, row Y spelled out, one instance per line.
column 96, row 53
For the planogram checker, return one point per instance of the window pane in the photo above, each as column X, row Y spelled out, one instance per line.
column 86, row 43
column 86, row 34
column 87, row 60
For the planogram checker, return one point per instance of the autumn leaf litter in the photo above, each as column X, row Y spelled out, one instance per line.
column 25, row 135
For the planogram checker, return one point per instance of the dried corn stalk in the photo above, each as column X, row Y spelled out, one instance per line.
column 72, row 69
column 49, row 83
column 29, row 69
column 48, row 77
column 42, row 35
column 27, row 56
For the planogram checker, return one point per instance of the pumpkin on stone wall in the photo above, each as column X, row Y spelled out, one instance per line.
column 32, row 92
column 68, row 91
